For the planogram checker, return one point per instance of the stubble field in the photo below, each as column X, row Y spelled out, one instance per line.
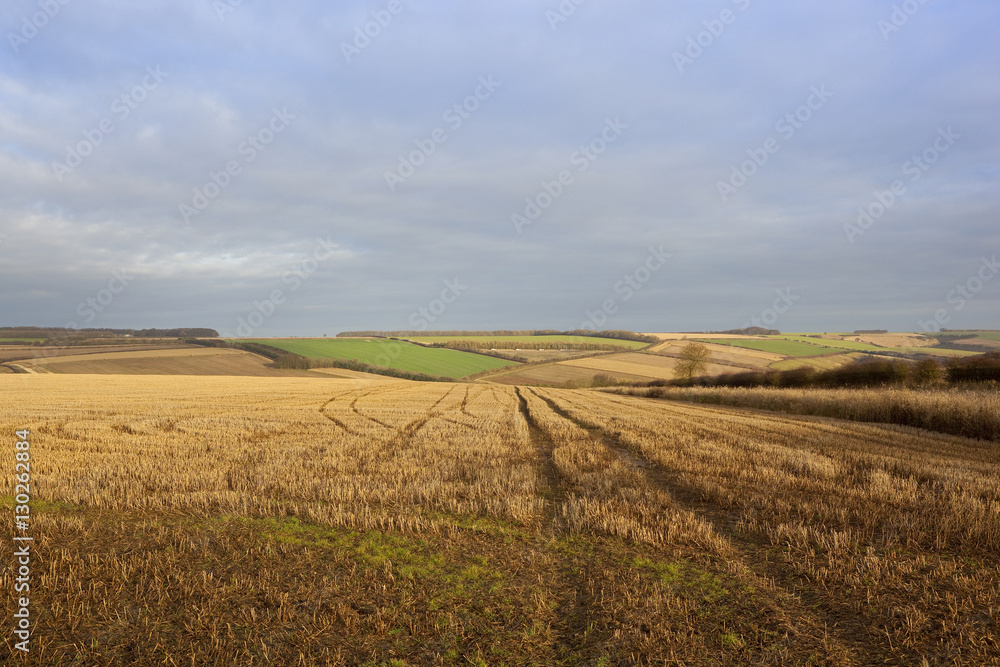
column 212, row 520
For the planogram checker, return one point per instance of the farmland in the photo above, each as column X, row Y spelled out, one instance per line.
column 529, row 342
column 785, row 347
column 213, row 520
column 182, row 361
column 391, row 354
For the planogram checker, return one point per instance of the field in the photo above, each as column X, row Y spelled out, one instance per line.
column 787, row 348
column 211, row 520
column 657, row 364
column 627, row 366
column 15, row 353
column 391, row 354
column 729, row 355
column 823, row 363
column 185, row 361
column 527, row 341
column 559, row 375
column 988, row 335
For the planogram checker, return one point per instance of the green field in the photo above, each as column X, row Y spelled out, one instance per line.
column 988, row 335
column 528, row 341
column 789, row 348
column 391, row 354
column 25, row 340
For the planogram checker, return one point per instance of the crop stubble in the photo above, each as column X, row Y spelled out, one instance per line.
column 214, row 519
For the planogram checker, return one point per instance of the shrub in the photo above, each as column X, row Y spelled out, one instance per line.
column 980, row 368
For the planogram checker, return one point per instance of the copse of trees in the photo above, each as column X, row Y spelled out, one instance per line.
column 750, row 331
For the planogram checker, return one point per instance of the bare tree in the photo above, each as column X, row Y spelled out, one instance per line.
column 694, row 361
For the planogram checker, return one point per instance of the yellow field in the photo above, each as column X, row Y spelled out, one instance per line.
column 819, row 363
column 631, row 367
column 183, row 361
column 648, row 366
column 724, row 354
column 893, row 340
column 212, row 520
column 687, row 336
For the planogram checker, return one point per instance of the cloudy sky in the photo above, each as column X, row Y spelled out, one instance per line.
column 637, row 164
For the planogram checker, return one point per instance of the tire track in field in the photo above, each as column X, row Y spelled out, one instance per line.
column 407, row 432
column 846, row 628
column 570, row 584
column 544, row 446
column 339, row 423
column 465, row 402
column 362, row 394
column 354, row 408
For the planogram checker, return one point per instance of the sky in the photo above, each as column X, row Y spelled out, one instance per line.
column 304, row 168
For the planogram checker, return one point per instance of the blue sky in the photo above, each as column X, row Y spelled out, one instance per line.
column 224, row 159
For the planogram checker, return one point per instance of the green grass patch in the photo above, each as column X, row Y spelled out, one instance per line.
column 789, row 348
column 987, row 335
column 44, row 506
column 527, row 341
column 409, row 557
column 390, row 354
column 685, row 577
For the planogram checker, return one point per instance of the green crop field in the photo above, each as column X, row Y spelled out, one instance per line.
column 988, row 335
column 528, row 341
column 391, row 354
column 789, row 348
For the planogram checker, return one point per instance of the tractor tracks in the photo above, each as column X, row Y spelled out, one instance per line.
column 757, row 553
column 575, row 571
